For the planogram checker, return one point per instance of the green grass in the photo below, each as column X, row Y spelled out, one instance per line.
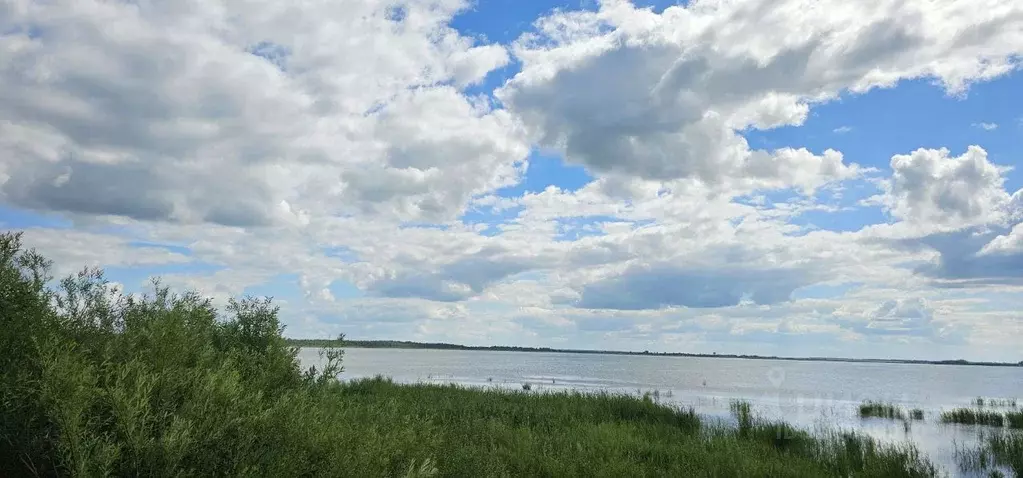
column 1014, row 419
column 881, row 410
column 973, row 416
column 96, row 384
column 997, row 450
column 874, row 409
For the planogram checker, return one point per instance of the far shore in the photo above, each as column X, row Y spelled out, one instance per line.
column 400, row 344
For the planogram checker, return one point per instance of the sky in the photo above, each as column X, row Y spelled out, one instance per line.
column 778, row 177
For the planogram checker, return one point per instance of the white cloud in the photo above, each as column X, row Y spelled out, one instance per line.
column 842, row 129
column 986, row 126
column 625, row 90
column 72, row 250
column 905, row 317
column 260, row 142
column 930, row 186
column 1010, row 243
column 209, row 112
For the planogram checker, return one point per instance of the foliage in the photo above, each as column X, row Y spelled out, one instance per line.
column 93, row 383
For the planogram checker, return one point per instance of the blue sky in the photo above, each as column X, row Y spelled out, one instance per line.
column 584, row 174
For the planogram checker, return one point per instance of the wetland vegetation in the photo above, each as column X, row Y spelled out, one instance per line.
column 96, row 383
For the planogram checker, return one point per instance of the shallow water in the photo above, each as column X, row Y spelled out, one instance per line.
column 806, row 394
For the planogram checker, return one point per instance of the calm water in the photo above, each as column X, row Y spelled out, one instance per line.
column 808, row 394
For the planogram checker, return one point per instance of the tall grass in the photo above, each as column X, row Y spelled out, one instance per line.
column 881, row 410
column 93, row 383
column 972, row 416
column 1014, row 419
column 997, row 450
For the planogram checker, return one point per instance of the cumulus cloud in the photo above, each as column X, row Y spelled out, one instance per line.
column 957, row 209
column 972, row 257
column 904, row 318
column 929, row 186
column 704, row 276
column 664, row 286
column 203, row 112
column 455, row 281
column 71, row 250
column 1007, row 244
column 234, row 145
column 662, row 96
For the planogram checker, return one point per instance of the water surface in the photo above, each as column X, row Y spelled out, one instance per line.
column 803, row 393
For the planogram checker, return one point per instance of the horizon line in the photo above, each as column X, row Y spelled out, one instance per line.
column 408, row 344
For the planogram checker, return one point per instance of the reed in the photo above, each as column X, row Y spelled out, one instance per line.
column 881, row 410
column 973, row 416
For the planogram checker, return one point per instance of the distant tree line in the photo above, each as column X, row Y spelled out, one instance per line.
column 404, row 344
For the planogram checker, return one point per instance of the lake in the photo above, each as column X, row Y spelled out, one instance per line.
column 803, row 393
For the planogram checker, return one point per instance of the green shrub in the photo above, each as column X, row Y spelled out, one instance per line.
column 96, row 383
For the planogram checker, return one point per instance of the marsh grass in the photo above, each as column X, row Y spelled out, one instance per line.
column 995, row 402
column 916, row 414
column 998, row 449
column 93, row 383
column 881, row 410
column 1014, row 419
column 973, row 416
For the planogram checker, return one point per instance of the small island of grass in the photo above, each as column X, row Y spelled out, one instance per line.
column 873, row 409
column 973, row 416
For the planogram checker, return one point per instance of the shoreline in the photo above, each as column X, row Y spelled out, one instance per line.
column 408, row 345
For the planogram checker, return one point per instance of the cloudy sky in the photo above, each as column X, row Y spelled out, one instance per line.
column 792, row 177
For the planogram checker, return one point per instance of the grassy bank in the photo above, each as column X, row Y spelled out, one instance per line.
column 93, row 383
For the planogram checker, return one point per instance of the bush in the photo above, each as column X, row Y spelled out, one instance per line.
column 93, row 382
